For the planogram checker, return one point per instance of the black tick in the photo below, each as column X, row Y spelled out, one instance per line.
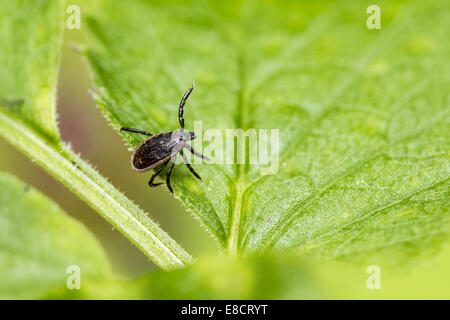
column 160, row 148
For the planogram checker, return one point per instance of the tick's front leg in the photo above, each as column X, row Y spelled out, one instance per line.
column 182, row 103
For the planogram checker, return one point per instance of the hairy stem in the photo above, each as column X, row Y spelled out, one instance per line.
column 83, row 180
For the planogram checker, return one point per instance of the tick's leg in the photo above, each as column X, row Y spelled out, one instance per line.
column 169, row 172
column 195, row 153
column 182, row 103
column 136, row 131
column 186, row 161
column 158, row 171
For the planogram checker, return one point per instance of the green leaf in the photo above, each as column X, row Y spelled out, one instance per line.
column 31, row 38
column 31, row 32
column 363, row 115
column 39, row 241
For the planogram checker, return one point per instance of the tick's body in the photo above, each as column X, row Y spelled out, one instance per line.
column 159, row 149
column 152, row 152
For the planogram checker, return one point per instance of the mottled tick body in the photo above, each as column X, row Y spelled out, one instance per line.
column 160, row 148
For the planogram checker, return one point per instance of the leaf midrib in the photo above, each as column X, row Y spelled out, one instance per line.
column 241, row 183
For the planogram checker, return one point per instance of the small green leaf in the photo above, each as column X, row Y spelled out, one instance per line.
column 363, row 114
column 39, row 241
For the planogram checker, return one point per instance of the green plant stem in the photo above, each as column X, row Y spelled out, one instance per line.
column 62, row 163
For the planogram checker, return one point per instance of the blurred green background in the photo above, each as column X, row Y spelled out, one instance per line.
column 83, row 126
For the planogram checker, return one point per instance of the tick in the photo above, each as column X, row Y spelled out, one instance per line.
column 159, row 149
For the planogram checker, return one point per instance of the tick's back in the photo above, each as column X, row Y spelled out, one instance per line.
column 153, row 151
